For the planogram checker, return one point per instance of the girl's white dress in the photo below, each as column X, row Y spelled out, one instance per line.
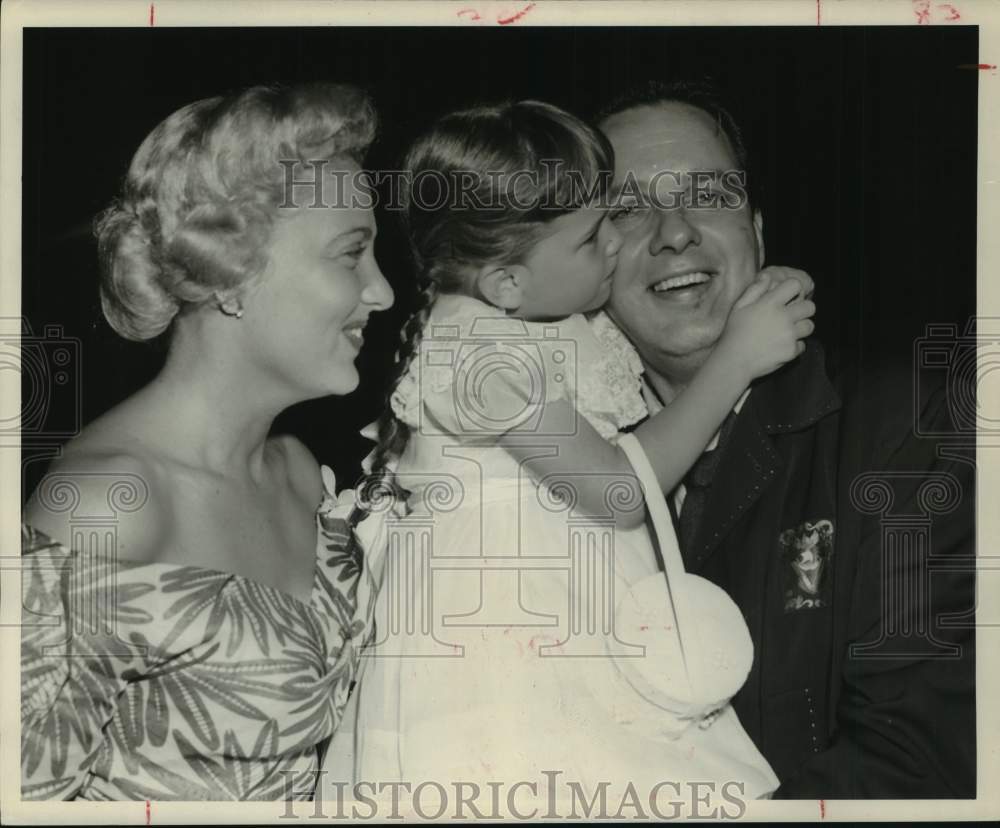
column 517, row 638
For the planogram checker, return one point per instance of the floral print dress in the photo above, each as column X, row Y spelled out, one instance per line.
column 196, row 684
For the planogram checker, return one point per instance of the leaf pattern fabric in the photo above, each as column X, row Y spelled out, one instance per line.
column 197, row 685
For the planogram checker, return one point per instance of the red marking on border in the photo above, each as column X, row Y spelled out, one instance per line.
column 822, row 809
column 922, row 9
column 954, row 12
column 152, row 14
column 147, row 812
column 505, row 21
column 819, row 19
column 980, row 66
column 543, row 639
column 473, row 12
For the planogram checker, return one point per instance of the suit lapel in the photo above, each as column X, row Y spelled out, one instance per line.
column 748, row 465
column 793, row 398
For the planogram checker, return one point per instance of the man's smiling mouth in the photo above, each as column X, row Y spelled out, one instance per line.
column 681, row 282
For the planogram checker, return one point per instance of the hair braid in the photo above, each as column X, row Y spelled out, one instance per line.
column 393, row 433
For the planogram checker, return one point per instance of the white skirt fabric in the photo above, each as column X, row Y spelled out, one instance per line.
column 519, row 642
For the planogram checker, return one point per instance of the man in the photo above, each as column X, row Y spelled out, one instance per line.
column 852, row 694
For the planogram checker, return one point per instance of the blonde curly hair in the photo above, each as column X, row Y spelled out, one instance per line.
column 202, row 191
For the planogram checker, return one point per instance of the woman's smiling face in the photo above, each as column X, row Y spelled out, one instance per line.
column 307, row 313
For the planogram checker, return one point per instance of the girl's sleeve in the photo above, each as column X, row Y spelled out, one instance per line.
column 608, row 386
column 472, row 390
column 73, row 666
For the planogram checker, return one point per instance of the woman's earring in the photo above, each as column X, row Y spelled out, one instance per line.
column 231, row 307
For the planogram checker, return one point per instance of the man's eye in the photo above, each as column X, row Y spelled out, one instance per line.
column 626, row 211
column 709, row 197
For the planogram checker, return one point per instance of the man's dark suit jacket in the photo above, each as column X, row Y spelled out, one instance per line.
column 863, row 680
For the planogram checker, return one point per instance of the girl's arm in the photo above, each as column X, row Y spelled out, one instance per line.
column 763, row 332
column 567, row 448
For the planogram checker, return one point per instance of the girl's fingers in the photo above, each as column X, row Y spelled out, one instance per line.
column 784, row 292
column 784, row 274
column 801, row 309
column 806, row 284
column 804, row 328
column 756, row 289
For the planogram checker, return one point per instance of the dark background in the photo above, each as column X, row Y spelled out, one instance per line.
column 864, row 139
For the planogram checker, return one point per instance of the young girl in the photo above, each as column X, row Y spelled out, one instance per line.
column 544, row 637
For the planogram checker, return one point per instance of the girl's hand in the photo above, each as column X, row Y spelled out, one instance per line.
column 770, row 277
column 768, row 323
column 778, row 275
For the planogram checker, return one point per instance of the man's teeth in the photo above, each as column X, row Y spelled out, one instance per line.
column 686, row 280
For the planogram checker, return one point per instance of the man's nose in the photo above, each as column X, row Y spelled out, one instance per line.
column 377, row 291
column 674, row 231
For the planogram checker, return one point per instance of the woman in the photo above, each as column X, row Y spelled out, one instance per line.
column 222, row 663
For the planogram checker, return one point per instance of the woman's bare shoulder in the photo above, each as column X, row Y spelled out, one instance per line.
column 95, row 482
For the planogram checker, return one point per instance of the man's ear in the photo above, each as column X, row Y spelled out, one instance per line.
column 503, row 287
column 758, row 230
